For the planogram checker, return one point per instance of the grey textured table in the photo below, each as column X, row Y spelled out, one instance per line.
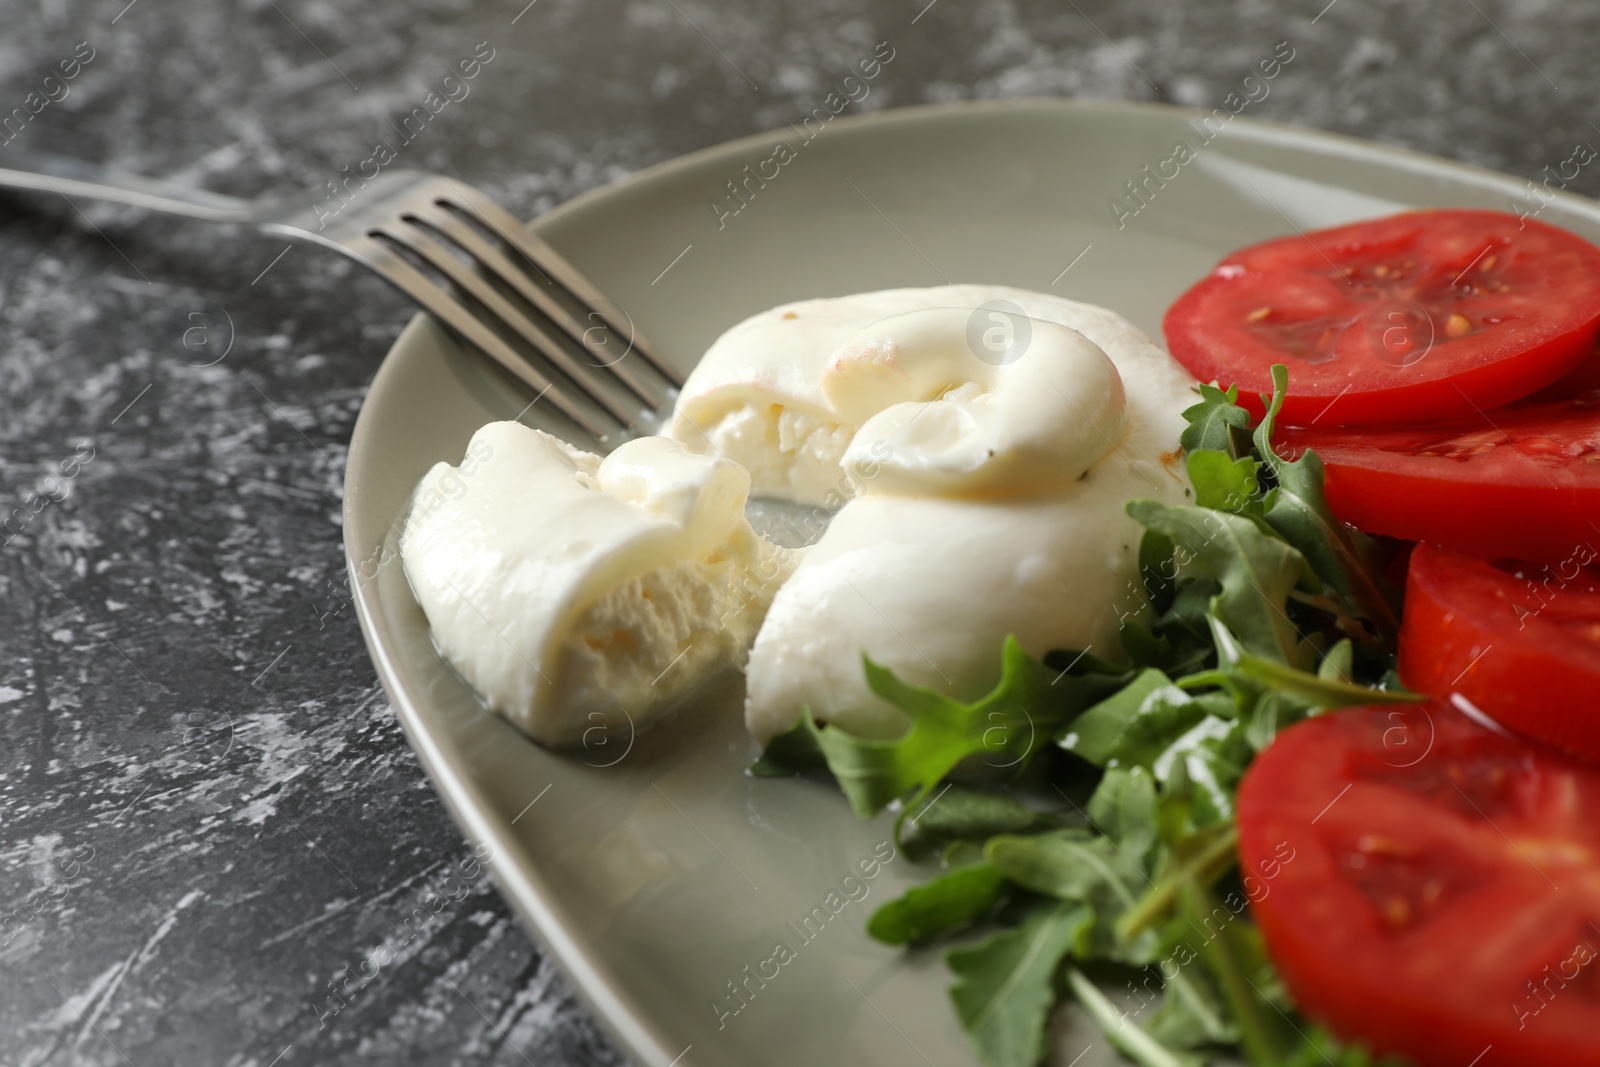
column 208, row 816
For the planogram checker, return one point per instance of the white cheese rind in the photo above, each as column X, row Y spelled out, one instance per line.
column 563, row 587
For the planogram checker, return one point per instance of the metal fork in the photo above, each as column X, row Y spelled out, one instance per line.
column 453, row 250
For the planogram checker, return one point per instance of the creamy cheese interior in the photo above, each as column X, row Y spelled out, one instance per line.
column 566, row 588
column 929, row 579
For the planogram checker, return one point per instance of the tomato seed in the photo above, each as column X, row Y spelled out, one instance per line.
column 1376, row 845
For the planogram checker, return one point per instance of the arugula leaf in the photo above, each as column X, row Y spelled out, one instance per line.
column 1145, row 647
column 1197, row 856
column 1192, row 1014
column 958, row 813
column 1325, row 689
column 1211, row 759
column 1138, row 1045
column 1158, row 570
column 1255, row 571
column 1231, row 949
column 1071, row 865
column 1004, row 725
column 1184, row 623
column 1078, row 866
column 1007, row 727
column 795, row 751
column 1005, row 985
column 1298, row 509
column 1123, row 808
column 1224, row 483
column 1157, row 725
column 1136, row 725
column 946, row 902
column 1217, row 423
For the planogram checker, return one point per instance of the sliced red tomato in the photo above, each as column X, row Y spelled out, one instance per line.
column 1429, row 886
column 1519, row 640
column 1585, row 378
column 1415, row 317
column 1522, row 481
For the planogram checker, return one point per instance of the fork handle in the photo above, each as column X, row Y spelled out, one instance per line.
column 45, row 172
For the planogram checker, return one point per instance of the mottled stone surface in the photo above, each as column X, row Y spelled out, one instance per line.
column 207, row 811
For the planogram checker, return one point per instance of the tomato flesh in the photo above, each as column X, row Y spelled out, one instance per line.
column 1420, row 316
column 1442, row 890
column 1520, row 641
column 1585, row 378
column 1522, row 481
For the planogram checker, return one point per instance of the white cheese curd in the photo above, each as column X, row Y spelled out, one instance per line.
column 935, row 418
column 930, row 583
column 757, row 395
column 565, row 588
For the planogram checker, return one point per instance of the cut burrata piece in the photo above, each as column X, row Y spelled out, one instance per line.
column 928, row 579
column 759, row 395
column 565, row 588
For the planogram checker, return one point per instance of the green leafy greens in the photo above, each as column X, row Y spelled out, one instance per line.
column 1264, row 610
column 1004, row 728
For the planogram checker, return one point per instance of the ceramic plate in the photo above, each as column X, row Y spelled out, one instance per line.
column 660, row 875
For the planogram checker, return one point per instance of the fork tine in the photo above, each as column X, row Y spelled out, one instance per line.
column 447, row 223
column 418, row 240
column 554, row 266
column 419, row 287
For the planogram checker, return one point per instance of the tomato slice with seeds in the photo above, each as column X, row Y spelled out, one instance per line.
column 1441, row 894
column 1519, row 640
column 1416, row 317
column 1521, row 481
